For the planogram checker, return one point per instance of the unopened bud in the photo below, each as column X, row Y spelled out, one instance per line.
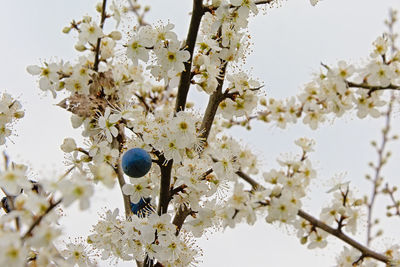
column 80, row 47
column 115, row 35
column 19, row 114
column 99, row 7
column 358, row 202
column 87, row 19
column 66, row 29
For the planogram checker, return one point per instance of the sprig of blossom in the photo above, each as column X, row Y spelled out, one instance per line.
column 10, row 111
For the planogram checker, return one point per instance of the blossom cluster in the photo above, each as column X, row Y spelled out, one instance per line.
column 29, row 224
column 136, row 239
column 127, row 101
column 336, row 90
column 10, row 111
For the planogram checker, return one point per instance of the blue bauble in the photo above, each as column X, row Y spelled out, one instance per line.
column 136, row 162
column 143, row 208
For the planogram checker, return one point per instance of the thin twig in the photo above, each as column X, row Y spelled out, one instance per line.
column 180, row 217
column 139, row 17
column 367, row 252
column 40, row 218
column 176, row 190
column 264, row 2
column 381, row 161
column 118, row 169
column 372, row 88
column 396, row 203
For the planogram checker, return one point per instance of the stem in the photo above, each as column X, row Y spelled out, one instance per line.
column 339, row 234
column 250, row 180
column 184, row 83
column 165, row 187
column 180, row 217
column 372, row 88
column 263, row 2
column 97, row 52
column 213, row 102
column 121, row 180
column 40, row 218
column 378, row 168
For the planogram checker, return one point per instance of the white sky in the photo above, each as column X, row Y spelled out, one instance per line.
column 289, row 44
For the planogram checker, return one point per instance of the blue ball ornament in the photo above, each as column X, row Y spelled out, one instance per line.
column 143, row 208
column 136, row 162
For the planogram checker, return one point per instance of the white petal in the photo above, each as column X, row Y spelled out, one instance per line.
column 33, row 69
column 114, row 131
column 102, row 122
column 114, row 118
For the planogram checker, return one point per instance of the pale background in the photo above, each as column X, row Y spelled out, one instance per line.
column 289, row 44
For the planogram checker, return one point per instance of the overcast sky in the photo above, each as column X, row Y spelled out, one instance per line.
column 290, row 42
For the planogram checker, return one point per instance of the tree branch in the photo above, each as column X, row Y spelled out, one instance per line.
column 211, row 8
column 120, row 174
column 176, row 190
column 339, row 234
column 97, row 52
column 180, row 217
column 213, row 102
column 263, row 2
column 40, row 218
column 376, row 182
column 184, row 83
column 372, row 88
column 165, row 186
column 366, row 252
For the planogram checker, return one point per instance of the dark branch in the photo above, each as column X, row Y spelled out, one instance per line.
column 176, row 190
column 378, row 169
column 372, row 88
column 97, row 52
column 40, row 218
column 339, row 234
column 165, row 186
column 180, row 217
column 213, row 102
column 184, row 83
column 319, row 224
column 211, row 8
column 118, row 169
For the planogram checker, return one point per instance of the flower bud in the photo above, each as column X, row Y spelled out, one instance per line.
column 80, row 47
column 115, row 35
column 66, row 29
column 99, row 7
column 19, row 114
